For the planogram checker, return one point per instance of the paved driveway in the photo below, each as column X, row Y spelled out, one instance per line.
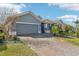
column 47, row 45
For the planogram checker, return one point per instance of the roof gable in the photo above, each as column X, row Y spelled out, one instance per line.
column 14, row 17
column 29, row 18
column 31, row 14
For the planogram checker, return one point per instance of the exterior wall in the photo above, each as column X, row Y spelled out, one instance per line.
column 26, row 19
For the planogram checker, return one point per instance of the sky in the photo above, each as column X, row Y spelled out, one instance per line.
column 68, row 12
column 50, row 11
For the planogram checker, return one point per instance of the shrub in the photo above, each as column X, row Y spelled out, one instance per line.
column 2, row 36
column 14, row 38
column 55, row 29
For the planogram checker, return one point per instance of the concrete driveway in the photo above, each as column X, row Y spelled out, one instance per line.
column 48, row 45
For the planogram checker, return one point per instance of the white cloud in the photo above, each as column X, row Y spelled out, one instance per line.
column 68, row 17
column 69, row 6
column 8, row 9
column 22, row 5
column 11, row 7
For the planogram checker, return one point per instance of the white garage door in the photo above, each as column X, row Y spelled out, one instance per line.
column 23, row 29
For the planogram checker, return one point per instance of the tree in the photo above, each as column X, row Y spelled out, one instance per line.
column 77, row 32
column 65, row 30
column 61, row 27
column 68, row 30
column 77, row 27
column 8, row 10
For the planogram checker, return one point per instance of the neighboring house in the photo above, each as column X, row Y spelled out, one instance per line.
column 22, row 24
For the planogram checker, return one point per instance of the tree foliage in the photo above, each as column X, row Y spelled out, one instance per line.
column 68, row 30
column 55, row 29
column 77, row 32
column 77, row 28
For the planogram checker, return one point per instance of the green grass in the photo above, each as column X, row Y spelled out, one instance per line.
column 16, row 49
column 74, row 41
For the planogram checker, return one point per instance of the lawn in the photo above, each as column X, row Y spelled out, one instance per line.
column 16, row 49
column 74, row 41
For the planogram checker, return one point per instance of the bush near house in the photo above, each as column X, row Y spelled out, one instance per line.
column 68, row 30
column 14, row 38
column 2, row 36
column 55, row 29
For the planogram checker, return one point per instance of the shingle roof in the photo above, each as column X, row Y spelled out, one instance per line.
column 47, row 21
column 8, row 19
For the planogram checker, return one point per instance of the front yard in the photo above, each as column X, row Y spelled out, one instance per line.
column 74, row 41
column 16, row 49
column 42, row 45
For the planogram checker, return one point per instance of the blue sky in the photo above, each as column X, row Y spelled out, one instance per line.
column 46, row 11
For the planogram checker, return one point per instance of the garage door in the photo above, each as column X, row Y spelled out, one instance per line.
column 23, row 29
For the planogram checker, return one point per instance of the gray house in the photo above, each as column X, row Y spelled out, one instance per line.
column 27, row 23
column 22, row 24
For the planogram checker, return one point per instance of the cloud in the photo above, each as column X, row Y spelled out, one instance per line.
column 7, row 9
column 69, row 6
column 22, row 5
column 68, row 17
column 11, row 7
